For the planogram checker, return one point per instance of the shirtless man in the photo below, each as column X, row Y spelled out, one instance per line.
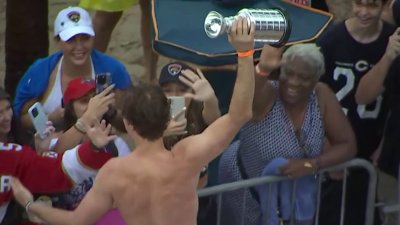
column 154, row 186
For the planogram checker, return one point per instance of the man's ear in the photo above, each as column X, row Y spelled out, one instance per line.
column 128, row 125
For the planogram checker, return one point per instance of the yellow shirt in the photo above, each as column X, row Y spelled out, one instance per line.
column 107, row 5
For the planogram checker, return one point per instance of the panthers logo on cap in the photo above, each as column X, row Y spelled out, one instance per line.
column 174, row 69
column 74, row 16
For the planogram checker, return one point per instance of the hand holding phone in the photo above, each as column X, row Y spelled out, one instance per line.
column 104, row 80
column 39, row 119
column 44, row 144
column 178, row 123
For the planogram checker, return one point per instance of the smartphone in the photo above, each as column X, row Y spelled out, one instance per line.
column 177, row 107
column 39, row 118
column 103, row 80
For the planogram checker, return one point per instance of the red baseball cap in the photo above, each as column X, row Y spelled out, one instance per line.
column 77, row 88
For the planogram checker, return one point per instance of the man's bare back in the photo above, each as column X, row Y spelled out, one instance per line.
column 154, row 187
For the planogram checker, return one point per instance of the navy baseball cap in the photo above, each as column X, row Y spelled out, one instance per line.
column 171, row 72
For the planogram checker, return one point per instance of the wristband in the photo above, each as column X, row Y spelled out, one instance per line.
column 260, row 72
column 245, row 53
column 80, row 127
column 27, row 205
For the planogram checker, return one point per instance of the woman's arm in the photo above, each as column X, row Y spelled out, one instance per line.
column 70, row 138
column 264, row 94
column 338, row 130
column 26, row 122
column 211, row 110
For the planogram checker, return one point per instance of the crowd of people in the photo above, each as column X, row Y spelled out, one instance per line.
column 119, row 155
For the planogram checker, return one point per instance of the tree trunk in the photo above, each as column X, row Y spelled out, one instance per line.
column 27, row 38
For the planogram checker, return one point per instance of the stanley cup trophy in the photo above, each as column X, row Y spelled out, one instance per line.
column 272, row 25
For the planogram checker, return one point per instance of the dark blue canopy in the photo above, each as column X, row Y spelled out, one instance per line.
column 179, row 28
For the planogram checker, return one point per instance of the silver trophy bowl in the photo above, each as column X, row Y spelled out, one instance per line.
column 272, row 25
column 214, row 24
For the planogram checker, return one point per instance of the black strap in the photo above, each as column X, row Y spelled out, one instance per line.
column 244, row 175
column 111, row 148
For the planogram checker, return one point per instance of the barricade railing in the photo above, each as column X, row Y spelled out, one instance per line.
column 219, row 190
column 394, row 208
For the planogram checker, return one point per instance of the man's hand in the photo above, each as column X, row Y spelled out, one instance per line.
column 21, row 194
column 200, row 85
column 241, row 35
column 43, row 145
column 99, row 133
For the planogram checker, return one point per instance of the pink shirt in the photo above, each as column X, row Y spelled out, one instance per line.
column 111, row 217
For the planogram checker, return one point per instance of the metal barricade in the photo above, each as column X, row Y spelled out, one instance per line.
column 219, row 190
column 395, row 208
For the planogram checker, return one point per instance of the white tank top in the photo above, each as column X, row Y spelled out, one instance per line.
column 53, row 100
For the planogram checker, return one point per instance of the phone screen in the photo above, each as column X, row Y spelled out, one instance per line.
column 177, row 107
column 103, row 80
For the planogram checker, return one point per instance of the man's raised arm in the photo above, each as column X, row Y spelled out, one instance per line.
column 204, row 147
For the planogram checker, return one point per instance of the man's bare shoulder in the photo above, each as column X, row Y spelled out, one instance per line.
column 114, row 164
column 108, row 168
column 117, row 168
column 180, row 148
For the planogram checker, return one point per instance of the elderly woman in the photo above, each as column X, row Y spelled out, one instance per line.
column 292, row 118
